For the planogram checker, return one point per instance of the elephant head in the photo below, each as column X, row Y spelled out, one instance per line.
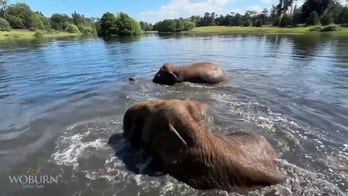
column 176, row 133
column 166, row 75
column 157, row 125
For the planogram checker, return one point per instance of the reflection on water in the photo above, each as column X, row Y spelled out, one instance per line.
column 62, row 100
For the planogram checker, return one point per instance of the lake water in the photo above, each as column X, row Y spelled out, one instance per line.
column 61, row 100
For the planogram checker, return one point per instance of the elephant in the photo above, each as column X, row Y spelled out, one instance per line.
column 203, row 72
column 175, row 131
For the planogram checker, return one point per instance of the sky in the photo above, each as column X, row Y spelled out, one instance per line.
column 147, row 10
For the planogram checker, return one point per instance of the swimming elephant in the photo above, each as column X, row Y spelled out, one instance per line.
column 175, row 132
column 203, row 72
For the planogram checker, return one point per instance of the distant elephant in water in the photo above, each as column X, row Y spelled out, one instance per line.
column 175, row 132
column 203, row 72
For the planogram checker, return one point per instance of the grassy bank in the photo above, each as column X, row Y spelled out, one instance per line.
column 23, row 34
column 261, row 30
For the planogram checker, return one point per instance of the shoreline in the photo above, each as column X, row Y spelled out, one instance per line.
column 228, row 30
column 12, row 35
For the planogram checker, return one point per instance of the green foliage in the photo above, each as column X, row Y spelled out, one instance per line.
column 87, row 29
column 247, row 23
column 39, row 34
column 22, row 16
column 146, row 26
column 71, row 28
column 327, row 19
column 166, row 26
column 342, row 17
column 318, row 6
column 286, row 21
column 258, row 23
column 3, row 8
column 188, row 25
column 85, row 25
column 121, row 25
column 15, row 22
column 313, row 19
column 331, row 27
column 59, row 21
column 127, row 26
column 4, row 25
column 175, row 25
column 108, row 25
column 316, row 28
column 276, row 22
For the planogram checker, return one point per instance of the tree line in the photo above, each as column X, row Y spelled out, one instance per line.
column 20, row 16
column 285, row 14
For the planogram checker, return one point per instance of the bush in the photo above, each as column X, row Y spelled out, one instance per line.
column 71, row 28
column 87, row 30
column 331, row 28
column 313, row 19
column 4, row 25
column 39, row 34
column 316, row 28
column 188, row 25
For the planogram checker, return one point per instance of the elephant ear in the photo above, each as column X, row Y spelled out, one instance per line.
column 172, row 145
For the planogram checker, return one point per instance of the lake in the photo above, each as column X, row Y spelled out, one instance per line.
column 61, row 100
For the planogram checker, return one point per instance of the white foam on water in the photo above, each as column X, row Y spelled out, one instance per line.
column 81, row 141
column 73, row 148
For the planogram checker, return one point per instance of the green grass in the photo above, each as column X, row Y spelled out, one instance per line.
column 25, row 35
column 261, row 30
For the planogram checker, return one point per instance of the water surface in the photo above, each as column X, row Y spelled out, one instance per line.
column 61, row 100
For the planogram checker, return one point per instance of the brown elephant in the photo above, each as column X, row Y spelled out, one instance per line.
column 203, row 72
column 175, row 131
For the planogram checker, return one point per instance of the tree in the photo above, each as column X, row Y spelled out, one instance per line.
column 313, row 19
column 188, row 25
column 4, row 25
column 342, row 18
column 3, row 8
column 327, row 19
column 208, row 19
column 127, row 26
column 247, row 23
column 23, row 13
column 121, row 25
column 283, row 7
column 196, row 20
column 258, row 23
column 319, row 6
column 108, row 25
column 145, row 26
column 285, row 21
column 85, row 25
column 59, row 21
column 15, row 22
